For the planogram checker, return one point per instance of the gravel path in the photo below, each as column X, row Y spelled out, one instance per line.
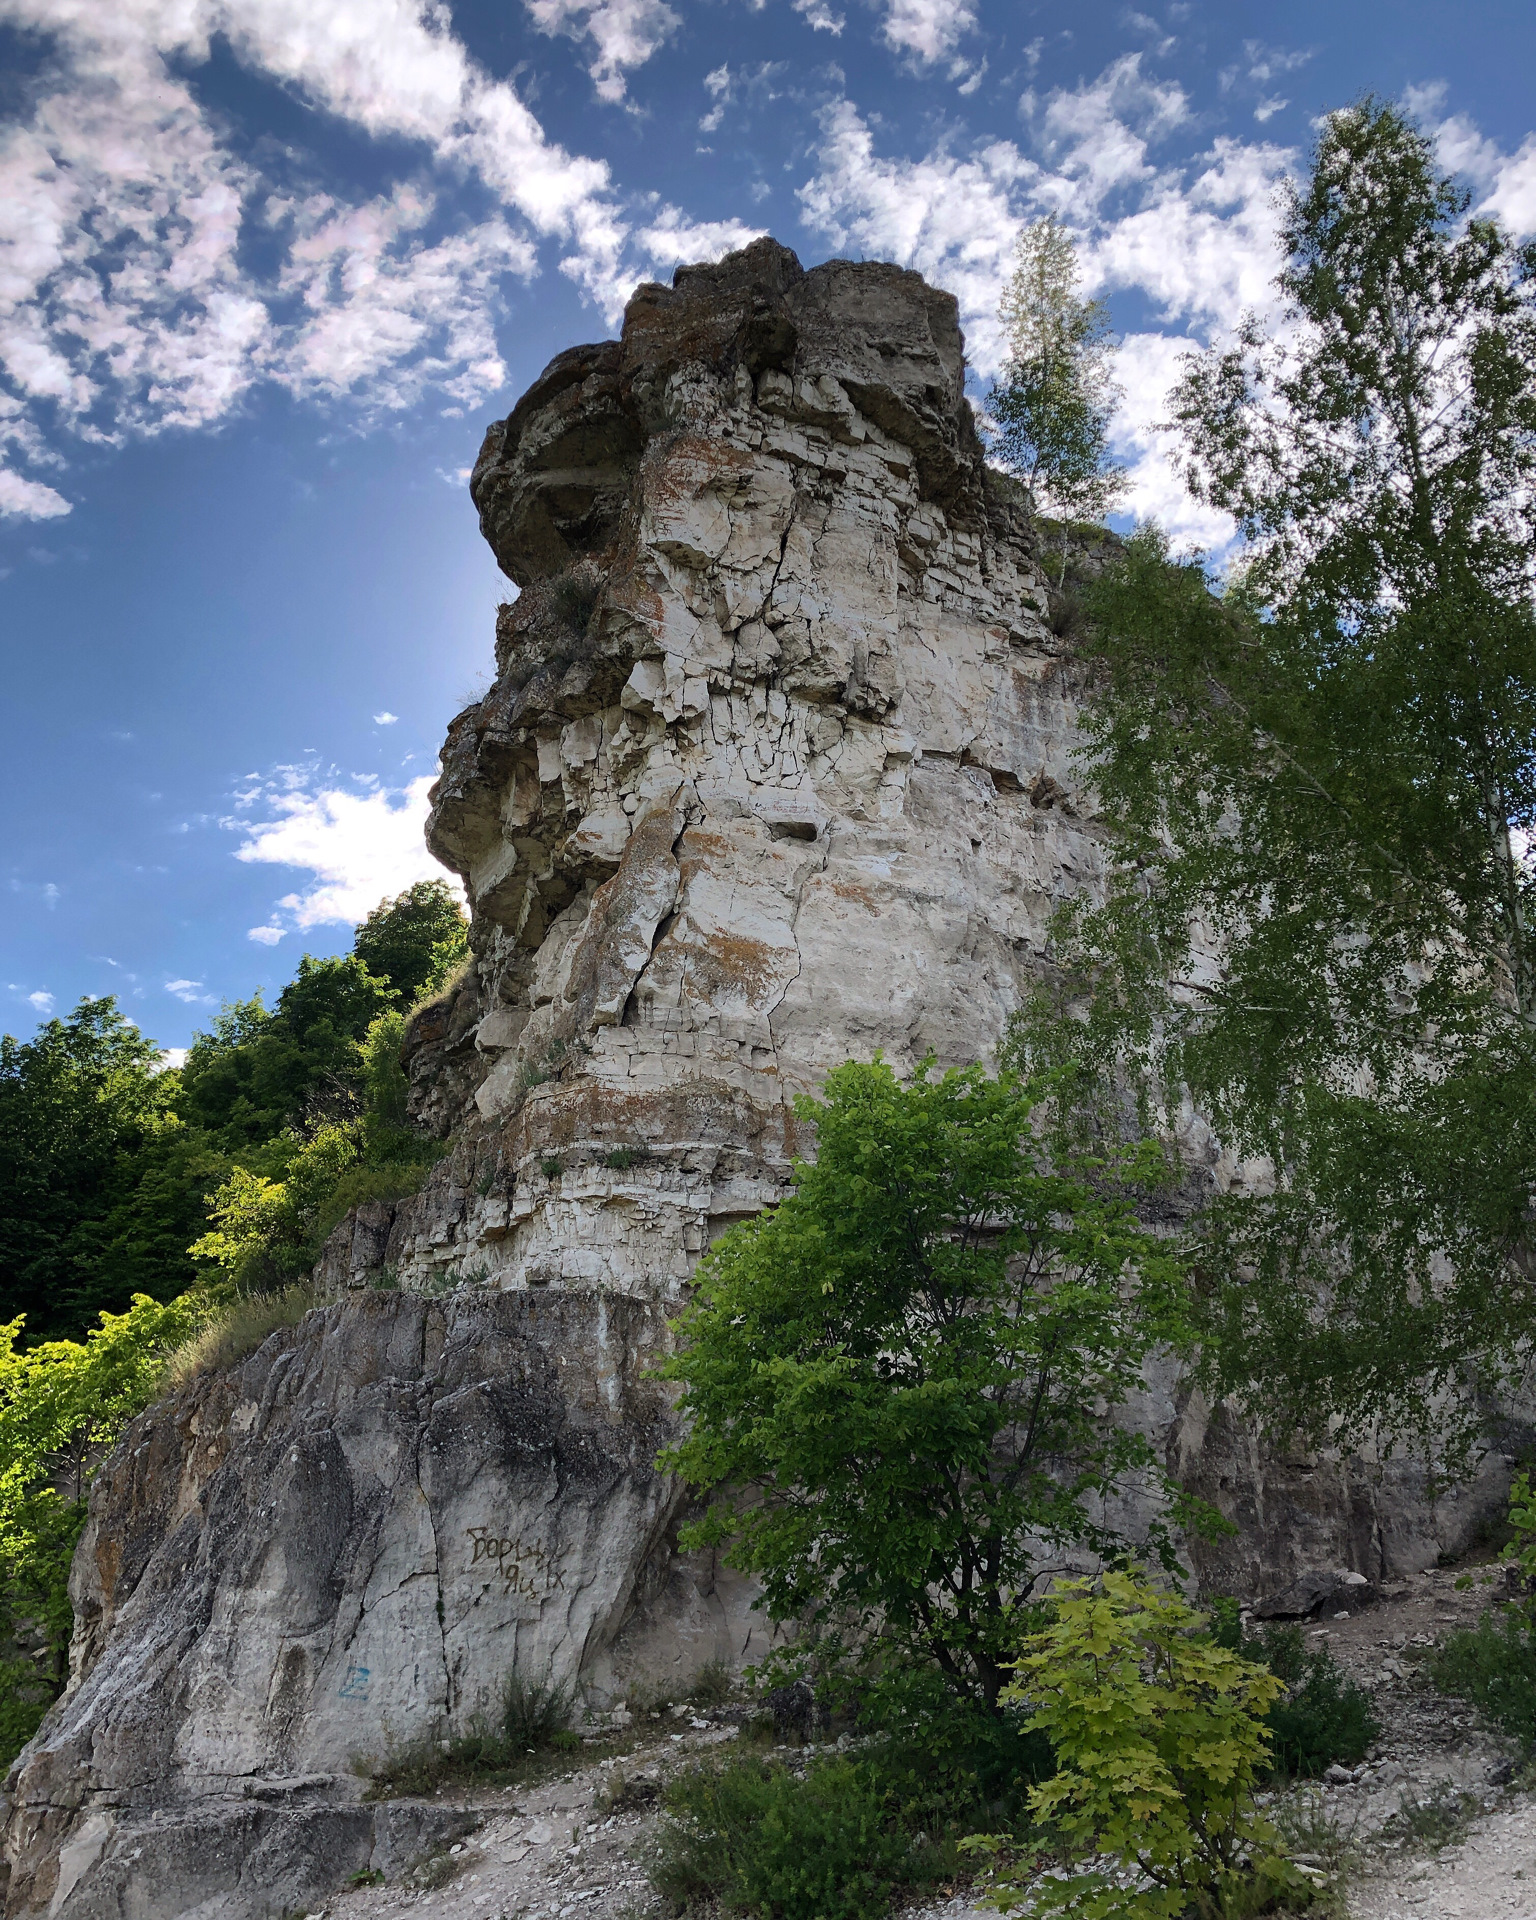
column 570, row 1850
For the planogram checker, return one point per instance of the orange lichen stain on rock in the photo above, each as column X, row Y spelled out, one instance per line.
column 721, row 966
column 691, row 465
column 854, row 891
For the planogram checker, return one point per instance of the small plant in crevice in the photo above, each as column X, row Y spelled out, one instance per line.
column 552, row 1167
column 622, row 1158
column 574, row 601
column 531, row 1721
column 712, row 1685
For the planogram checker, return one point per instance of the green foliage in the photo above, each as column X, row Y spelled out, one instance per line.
column 1054, row 400
column 414, row 941
column 92, row 1162
column 1327, row 773
column 61, row 1404
column 1160, row 1742
column 1493, row 1666
column 756, row 1839
column 897, row 1381
column 1324, row 1717
column 255, row 1074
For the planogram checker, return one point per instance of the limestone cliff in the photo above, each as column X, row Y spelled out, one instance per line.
column 776, row 769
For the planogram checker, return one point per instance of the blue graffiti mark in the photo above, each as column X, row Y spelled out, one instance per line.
column 355, row 1686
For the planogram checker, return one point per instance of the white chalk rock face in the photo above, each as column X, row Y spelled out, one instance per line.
column 776, row 770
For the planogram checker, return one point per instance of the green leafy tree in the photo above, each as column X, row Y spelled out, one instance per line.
column 62, row 1404
column 85, row 1120
column 255, row 1074
column 415, row 940
column 897, row 1382
column 1323, row 782
column 1160, row 1737
column 1057, row 392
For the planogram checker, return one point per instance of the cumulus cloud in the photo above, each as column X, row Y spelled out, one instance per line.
column 40, row 1002
column 385, row 719
column 130, row 297
column 623, row 33
column 170, row 1058
column 357, row 843
column 927, row 30
column 191, row 992
column 1503, row 184
column 1198, row 240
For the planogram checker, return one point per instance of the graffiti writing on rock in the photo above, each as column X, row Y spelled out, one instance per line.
column 525, row 1567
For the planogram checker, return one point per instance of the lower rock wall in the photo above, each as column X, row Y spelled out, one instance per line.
column 341, row 1547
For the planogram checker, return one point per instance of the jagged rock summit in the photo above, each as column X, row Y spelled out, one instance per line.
column 774, row 770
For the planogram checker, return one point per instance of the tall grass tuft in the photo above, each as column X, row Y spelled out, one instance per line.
column 236, row 1331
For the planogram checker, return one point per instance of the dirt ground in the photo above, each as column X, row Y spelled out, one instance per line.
column 1425, row 1826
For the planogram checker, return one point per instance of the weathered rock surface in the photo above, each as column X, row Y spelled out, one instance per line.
column 776, row 769
column 341, row 1546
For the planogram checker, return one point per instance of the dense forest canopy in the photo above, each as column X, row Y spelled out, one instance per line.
column 107, row 1160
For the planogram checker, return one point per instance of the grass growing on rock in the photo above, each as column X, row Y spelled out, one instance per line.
column 237, row 1330
column 528, row 1735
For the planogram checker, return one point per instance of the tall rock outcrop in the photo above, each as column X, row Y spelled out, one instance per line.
column 776, row 769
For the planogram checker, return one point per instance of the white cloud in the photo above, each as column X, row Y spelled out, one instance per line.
column 40, row 1002
column 385, row 719
column 128, row 301
column 624, row 34
column 1503, row 184
column 927, row 30
column 1198, row 240
column 671, row 240
column 24, row 499
column 358, row 846
column 820, row 16
column 171, row 1058
column 190, row 991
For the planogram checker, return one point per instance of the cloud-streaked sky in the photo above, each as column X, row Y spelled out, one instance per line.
column 267, row 267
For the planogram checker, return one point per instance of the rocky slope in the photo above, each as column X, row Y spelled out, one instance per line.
column 776, row 769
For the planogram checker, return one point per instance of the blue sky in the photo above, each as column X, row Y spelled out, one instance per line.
column 267, row 268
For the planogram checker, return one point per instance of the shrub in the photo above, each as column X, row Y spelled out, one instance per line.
column 757, row 1839
column 897, row 1381
column 1493, row 1668
column 1160, row 1739
column 1322, row 1718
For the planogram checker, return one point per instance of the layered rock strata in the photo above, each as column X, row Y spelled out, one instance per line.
column 775, row 770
